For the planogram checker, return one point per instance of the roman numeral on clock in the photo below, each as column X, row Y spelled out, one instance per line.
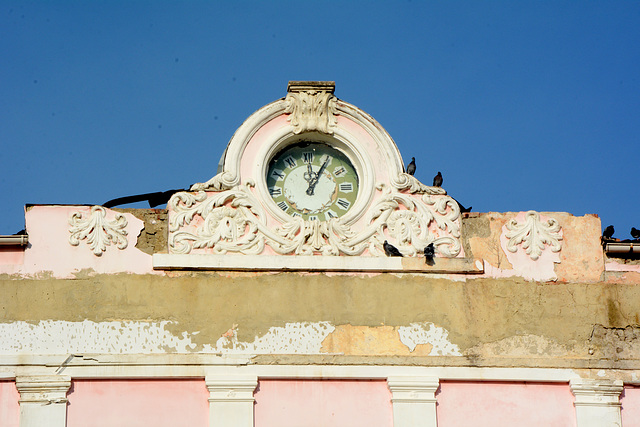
column 283, row 205
column 290, row 161
column 347, row 187
column 307, row 156
column 343, row 203
column 275, row 191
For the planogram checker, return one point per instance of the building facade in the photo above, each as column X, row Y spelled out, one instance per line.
column 265, row 297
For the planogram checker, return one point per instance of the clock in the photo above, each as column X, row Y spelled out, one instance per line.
column 312, row 180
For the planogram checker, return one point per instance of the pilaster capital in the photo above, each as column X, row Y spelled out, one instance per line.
column 590, row 392
column 46, row 389
column 237, row 388
column 413, row 389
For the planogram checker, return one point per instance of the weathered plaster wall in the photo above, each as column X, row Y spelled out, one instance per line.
column 486, row 404
column 483, row 320
column 581, row 258
column 138, row 403
column 292, row 403
column 9, row 407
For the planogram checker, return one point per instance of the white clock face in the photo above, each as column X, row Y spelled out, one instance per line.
column 312, row 180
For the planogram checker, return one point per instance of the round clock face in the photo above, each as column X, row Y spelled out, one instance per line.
column 312, row 180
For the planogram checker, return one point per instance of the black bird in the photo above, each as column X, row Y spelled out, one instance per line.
column 463, row 209
column 635, row 233
column 437, row 180
column 411, row 167
column 390, row 250
column 429, row 253
column 608, row 232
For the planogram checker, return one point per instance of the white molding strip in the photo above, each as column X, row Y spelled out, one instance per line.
column 315, row 263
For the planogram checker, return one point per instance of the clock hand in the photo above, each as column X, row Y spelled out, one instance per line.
column 309, row 175
column 314, row 181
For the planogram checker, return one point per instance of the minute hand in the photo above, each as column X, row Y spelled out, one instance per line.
column 314, row 181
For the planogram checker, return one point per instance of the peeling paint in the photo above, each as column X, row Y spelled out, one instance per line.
column 63, row 337
column 428, row 333
column 293, row 338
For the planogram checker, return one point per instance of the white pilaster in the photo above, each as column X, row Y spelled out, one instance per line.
column 231, row 400
column 43, row 400
column 597, row 402
column 414, row 401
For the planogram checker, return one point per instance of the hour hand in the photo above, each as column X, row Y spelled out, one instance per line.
column 314, row 180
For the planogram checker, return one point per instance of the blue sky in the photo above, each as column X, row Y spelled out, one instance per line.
column 521, row 105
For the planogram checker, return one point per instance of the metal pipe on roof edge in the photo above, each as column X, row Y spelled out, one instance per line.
column 14, row 240
column 622, row 248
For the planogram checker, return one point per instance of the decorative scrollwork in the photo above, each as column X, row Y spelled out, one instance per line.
column 311, row 111
column 534, row 234
column 99, row 232
column 234, row 221
column 220, row 182
column 406, row 182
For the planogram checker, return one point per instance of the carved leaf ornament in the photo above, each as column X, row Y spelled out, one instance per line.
column 534, row 234
column 233, row 220
column 99, row 232
column 311, row 111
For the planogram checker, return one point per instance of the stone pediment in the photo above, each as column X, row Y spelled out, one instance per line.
column 312, row 175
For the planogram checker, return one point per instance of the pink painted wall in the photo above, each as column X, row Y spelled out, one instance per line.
column 490, row 404
column 630, row 400
column 315, row 403
column 9, row 407
column 138, row 403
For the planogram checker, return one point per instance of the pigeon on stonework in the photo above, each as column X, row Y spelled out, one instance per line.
column 635, row 233
column 390, row 250
column 608, row 232
column 411, row 167
column 429, row 253
column 437, row 180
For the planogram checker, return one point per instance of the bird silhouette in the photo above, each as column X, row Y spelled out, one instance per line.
column 411, row 167
column 429, row 253
column 437, row 180
column 635, row 233
column 390, row 250
column 608, row 232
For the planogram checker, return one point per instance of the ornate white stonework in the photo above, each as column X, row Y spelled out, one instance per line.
column 410, row 184
column 312, row 108
column 534, row 234
column 234, row 212
column 234, row 221
column 98, row 231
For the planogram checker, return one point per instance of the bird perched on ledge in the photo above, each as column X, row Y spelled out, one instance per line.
column 411, row 167
column 429, row 253
column 608, row 232
column 437, row 180
column 390, row 250
column 635, row 233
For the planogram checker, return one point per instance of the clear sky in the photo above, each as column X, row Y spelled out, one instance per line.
column 521, row 104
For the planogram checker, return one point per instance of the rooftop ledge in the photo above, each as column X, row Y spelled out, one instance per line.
column 315, row 263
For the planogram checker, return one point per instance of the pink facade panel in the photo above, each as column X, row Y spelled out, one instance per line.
column 630, row 401
column 138, row 403
column 315, row 403
column 490, row 404
column 9, row 406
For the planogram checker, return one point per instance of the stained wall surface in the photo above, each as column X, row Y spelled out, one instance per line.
column 298, row 403
column 9, row 407
column 490, row 404
column 630, row 401
column 138, row 403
